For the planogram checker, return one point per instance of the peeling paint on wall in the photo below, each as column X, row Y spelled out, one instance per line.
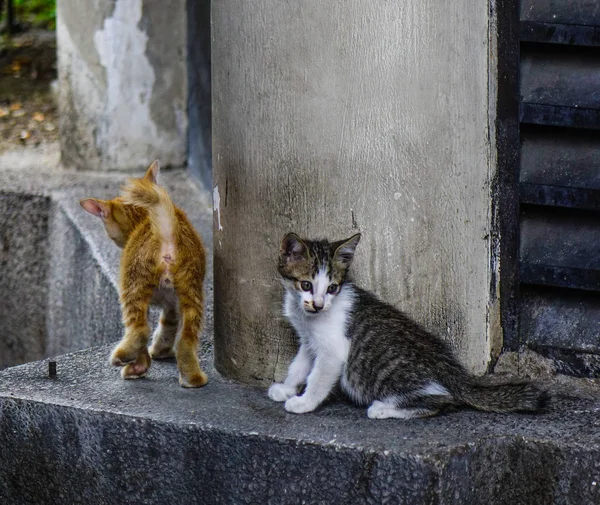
column 123, row 78
column 121, row 47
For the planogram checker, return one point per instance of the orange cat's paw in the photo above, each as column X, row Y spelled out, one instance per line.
column 195, row 380
column 121, row 356
column 138, row 368
column 162, row 353
column 134, row 371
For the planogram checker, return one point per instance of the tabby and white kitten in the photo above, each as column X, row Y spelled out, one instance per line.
column 380, row 357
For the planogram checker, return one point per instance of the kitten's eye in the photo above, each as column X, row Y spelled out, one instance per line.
column 306, row 286
column 332, row 288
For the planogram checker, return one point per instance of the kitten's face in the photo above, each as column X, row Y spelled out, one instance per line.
column 315, row 270
column 118, row 218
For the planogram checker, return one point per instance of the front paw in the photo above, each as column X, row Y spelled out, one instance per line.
column 281, row 392
column 123, row 355
column 299, row 405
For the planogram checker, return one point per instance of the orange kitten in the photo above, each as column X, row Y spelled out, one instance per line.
column 163, row 263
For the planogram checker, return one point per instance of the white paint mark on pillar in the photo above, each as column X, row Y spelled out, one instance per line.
column 217, row 206
column 131, row 135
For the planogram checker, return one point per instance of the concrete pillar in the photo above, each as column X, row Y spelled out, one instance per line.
column 123, row 83
column 333, row 117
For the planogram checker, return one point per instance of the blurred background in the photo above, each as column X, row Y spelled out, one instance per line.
column 28, row 110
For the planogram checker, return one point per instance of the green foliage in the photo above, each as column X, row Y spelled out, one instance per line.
column 38, row 13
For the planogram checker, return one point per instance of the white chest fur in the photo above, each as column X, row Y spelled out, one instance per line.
column 323, row 333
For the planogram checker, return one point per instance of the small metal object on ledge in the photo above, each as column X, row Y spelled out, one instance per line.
column 52, row 369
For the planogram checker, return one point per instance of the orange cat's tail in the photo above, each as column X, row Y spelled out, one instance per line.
column 149, row 195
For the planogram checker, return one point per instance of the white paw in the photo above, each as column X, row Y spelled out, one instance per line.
column 377, row 412
column 381, row 410
column 281, row 392
column 299, row 405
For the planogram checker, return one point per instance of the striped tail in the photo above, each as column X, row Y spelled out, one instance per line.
column 512, row 397
column 146, row 193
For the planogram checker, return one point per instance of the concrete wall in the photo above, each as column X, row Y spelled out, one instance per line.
column 23, row 269
column 333, row 117
column 123, row 83
column 83, row 303
column 56, row 298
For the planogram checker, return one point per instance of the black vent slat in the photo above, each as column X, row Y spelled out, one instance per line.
column 561, row 238
column 553, row 33
column 560, row 157
column 574, row 12
column 560, row 318
column 564, row 78
column 542, row 194
column 572, row 278
column 553, row 115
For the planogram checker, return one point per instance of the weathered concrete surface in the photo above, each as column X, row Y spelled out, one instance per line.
column 334, row 117
column 123, row 83
column 89, row 437
column 60, row 282
column 23, row 275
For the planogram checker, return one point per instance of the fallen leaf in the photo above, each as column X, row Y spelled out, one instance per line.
column 24, row 135
column 4, row 112
column 49, row 127
column 15, row 106
column 18, row 113
column 38, row 116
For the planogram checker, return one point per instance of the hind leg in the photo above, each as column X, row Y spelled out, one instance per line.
column 131, row 352
column 163, row 338
column 389, row 409
column 190, row 373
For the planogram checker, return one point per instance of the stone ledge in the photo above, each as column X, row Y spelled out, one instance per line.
column 90, row 437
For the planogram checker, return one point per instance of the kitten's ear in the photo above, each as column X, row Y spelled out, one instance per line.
column 344, row 250
column 98, row 208
column 152, row 172
column 293, row 248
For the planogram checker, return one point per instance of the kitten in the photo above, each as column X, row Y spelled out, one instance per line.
column 163, row 263
column 380, row 357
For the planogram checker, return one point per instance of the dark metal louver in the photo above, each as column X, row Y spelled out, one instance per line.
column 559, row 181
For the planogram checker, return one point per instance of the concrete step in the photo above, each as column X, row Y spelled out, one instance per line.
column 90, row 437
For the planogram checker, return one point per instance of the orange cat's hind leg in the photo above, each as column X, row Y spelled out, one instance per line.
column 163, row 339
column 190, row 373
column 131, row 352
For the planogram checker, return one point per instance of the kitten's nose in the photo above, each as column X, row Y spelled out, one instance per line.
column 317, row 307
